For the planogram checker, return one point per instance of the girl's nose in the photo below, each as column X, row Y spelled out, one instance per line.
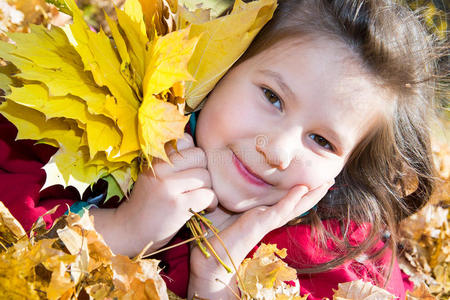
column 279, row 149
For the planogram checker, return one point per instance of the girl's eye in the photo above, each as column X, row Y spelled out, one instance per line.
column 321, row 141
column 272, row 97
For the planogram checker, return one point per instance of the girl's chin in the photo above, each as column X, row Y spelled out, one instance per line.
column 233, row 206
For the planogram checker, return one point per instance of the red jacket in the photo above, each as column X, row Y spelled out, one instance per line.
column 21, row 179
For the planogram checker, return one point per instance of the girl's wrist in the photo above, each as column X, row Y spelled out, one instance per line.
column 136, row 235
column 209, row 287
column 114, row 229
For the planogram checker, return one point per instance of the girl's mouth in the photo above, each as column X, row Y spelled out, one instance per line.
column 247, row 173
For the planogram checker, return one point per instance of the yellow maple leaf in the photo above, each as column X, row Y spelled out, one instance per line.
column 159, row 15
column 264, row 274
column 125, row 65
column 159, row 122
column 32, row 124
column 98, row 56
column 68, row 166
column 64, row 76
column 101, row 132
column 131, row 21
column 217, row 40
column 167, row 61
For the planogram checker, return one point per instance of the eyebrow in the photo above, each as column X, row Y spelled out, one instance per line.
column 280, row 81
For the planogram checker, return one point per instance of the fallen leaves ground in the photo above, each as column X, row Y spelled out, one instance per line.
column 70, row 261
column 426, row 234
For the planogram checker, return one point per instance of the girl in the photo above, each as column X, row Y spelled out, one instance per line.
column 329, row 91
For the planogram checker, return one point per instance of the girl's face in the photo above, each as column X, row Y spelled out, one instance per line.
column 290, row 115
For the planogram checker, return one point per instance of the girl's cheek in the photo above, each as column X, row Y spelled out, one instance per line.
column 315, row 171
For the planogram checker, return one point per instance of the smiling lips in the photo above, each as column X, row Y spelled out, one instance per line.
column 247, row 173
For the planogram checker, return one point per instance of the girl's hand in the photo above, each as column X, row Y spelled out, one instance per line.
column 241, row 233
column 159, row 203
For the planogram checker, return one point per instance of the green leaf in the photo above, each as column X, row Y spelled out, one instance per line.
column 217, row 7
column 113, row 188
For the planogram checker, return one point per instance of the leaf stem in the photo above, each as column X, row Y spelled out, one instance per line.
column 215, row 232
column 173, row 246
column 193, row 224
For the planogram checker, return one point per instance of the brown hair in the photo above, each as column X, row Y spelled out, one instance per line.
column 394, row 47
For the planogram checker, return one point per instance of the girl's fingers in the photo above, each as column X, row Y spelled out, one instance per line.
column 189, row 158
column 201, row 199
column 312, row 198
column 185, row 142
column 188, row 180
column 288, row 202
column 296, row 202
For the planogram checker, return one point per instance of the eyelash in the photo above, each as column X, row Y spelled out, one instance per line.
column 268, row 94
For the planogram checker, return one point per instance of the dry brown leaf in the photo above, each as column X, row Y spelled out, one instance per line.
column 172, row 296
column 426, row 234
column 69, row 259
column 264, row 275
column 10, row 228
column 360, row 290
column 421, row 292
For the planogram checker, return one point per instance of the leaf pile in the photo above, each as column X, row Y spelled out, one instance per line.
column 70, row 261
column 426, row 234
column 111, row 103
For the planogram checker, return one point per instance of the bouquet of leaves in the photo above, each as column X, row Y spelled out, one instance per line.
column 110, row 103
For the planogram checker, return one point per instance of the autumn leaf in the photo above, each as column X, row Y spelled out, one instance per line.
column 131, row 21
column 264, row 275
column 10, row 229
column 215, row 8
column 217, row 40
column 57, row 65
column 421, row 292
column 160, row 16
column 360, row 290
column 158, row 124
column 167, row 61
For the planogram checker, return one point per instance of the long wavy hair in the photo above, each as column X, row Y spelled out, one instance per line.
column 390, row 174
